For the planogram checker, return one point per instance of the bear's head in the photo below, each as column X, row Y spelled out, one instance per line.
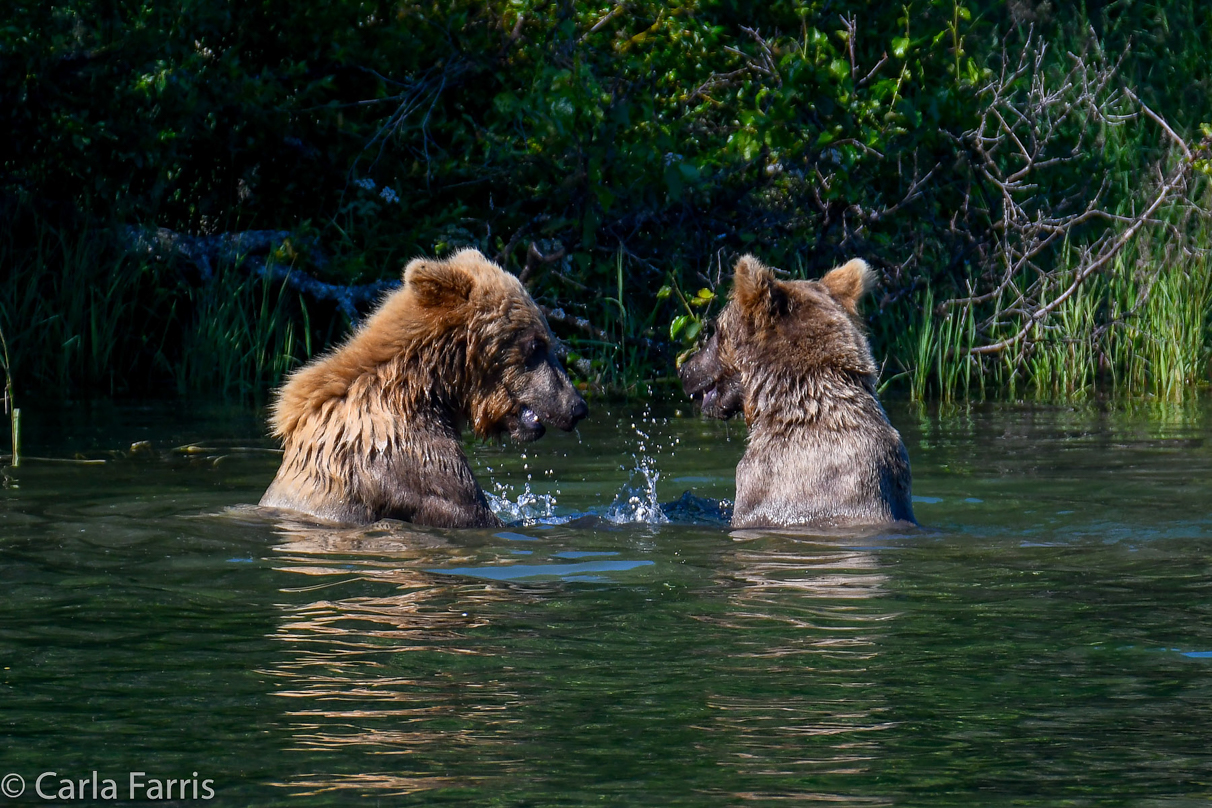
column 498, row 346
column 774, row 334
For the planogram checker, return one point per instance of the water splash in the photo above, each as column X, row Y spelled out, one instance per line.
column 637, row 502
column 528, row 508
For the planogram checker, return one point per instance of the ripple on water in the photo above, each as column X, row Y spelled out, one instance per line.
column 1046, row 645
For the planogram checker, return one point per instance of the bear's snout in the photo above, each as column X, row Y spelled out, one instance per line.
column 547, row 399
column 566, row 410
column 701, row 370
column 579, row 410
column 705, row 379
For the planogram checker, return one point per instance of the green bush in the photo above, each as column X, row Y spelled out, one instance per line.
column 652, row 142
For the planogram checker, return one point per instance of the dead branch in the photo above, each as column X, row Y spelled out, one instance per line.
column 557, row 316
column 535, row 259
column 1182, row 144
column 504, row 255
column 1032, row 125
column 863, row 82
column 249, row 251
column 764, row 65
column 424, row 91
column 1104, row 257
column 607, row 17
column 851, row 26
column 715, row 81
column 851, row 33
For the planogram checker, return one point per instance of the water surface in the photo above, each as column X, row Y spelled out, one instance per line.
column 1045, row 640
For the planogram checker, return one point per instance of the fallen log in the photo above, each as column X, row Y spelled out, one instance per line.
column 249, row 250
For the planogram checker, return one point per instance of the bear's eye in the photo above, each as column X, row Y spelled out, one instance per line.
column 536, row 348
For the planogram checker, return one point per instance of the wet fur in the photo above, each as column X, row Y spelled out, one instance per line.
column 793, row 357
column 373, row 429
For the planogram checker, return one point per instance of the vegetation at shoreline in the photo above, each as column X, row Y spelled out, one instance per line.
column 1139, row 329
column 1029, row 180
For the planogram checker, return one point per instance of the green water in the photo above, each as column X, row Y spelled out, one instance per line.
column 1045, row 640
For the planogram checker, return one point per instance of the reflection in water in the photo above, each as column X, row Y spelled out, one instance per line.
column 809, row 712
column 349, row 684
column 1047, row 641
column 447, row 682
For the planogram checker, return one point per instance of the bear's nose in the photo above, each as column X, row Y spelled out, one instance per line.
column 579, row 410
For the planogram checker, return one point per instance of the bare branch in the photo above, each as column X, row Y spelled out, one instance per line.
column 534, row 259
column 1032, row 125
column 764, row 65
column 1182, row 144
column 610, row 15
column 864, row 81
column 1104, row 257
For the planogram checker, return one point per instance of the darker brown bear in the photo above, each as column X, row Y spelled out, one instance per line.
column 793, row 357
column 372, row 430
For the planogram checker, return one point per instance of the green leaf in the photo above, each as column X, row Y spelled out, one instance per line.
column 673, row 182
column 900, row 46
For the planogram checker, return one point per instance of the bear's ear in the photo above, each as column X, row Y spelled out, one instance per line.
column 756, row 291
column 437, row 283
column 849, row 282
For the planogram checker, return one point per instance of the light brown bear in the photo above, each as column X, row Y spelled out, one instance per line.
column 793, row 357
column 372, row 429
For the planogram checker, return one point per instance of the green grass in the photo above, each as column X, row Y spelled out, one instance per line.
column 1140, row 329
column 11, row 410
column 243, row 338
column 933, row 351
column 77, row 315
column 1162, row 348
column 84, row 318
column 620, row 366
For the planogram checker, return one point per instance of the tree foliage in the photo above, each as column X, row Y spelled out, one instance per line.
column 649, row 142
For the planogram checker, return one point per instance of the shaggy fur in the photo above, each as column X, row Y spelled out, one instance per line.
column 793, row 357
column 372, row 430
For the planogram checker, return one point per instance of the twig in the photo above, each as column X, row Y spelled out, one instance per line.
column 534, row 259
column 1107, row 254
column 1015, row 143
column 851, row 27
column 883, row 61
column 1182, row 144
column 765, row 66
column 10, row 405
column 610, row 15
